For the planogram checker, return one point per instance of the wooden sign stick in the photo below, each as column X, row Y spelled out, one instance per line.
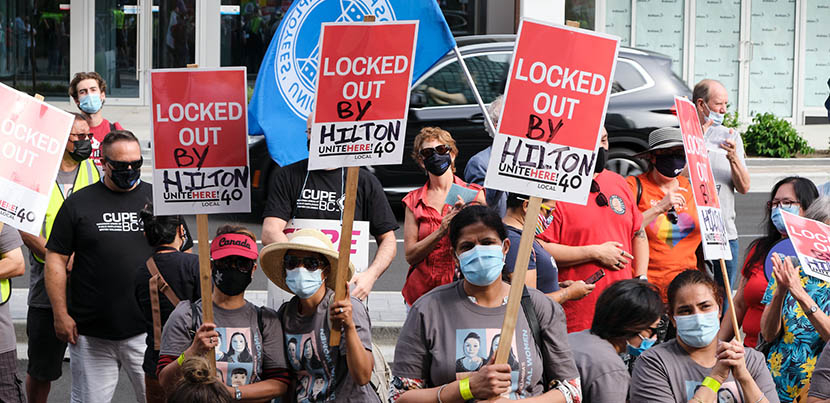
column 731, row 302
column 345, row 247
column 518, row 280
column 205, row 273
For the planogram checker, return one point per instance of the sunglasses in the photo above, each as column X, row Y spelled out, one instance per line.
column 547, row 210
column 82, row 136
column 237, row 263
column 311, row 263
column 124, row 165
column 601, row 200
column 428, row 152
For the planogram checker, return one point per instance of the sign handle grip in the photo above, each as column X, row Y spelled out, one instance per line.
column 731, row 302
column 205, row 279
column 517, row 281
column 344, row 250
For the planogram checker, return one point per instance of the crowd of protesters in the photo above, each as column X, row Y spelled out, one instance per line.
column 618, row 304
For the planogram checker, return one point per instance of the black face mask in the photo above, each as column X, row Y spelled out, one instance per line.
column 602, row 159
column 437, row 164
column 231, row 281
column 83, row 149
column 669, row 165
column 125, row 178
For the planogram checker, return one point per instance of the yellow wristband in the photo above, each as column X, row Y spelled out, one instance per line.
column 711, row 383
column 464, row 388
column 180, row 360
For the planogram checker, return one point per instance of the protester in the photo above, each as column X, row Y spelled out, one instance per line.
column 625, row 322
column 820, row 381
column 304, row 266
column 426, row 222
column 46, row 351
column 792, row 194
column 198, row 384
column 89, row 91
column 432, row 338
column 233, row 254
column 727, row 159
column 665, row 198
column 99, row 224
column 476, row 169
column 11, row 265
column 696, row 366
column 605, row 234
column 795, row 321
column 542, row 273
column 168, row 270
column 296, row 192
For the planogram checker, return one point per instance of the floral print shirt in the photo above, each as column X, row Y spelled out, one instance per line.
column 792, row 357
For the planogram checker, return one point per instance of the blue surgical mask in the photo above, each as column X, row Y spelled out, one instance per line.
column 698, row 330
column 91, row 103
column 303, row 282
column 482, row 264
column 645, row 344
column 716, row 118
column 778, row 220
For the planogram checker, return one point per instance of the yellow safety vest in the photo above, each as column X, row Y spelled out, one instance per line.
column 87, row 174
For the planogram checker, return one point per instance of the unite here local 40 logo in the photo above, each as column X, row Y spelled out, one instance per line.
column 295, row 68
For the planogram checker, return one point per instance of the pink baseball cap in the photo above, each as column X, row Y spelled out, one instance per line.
column 233, row 245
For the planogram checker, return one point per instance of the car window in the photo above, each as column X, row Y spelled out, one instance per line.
column 448, row 86
column 626, row 77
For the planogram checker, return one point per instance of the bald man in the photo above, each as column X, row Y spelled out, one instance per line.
column 726, row 155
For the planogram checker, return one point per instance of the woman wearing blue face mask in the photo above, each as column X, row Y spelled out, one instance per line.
column 697, row 367
column 625, row 324
column 433, row 337
column 303, row 266
column 793, row 194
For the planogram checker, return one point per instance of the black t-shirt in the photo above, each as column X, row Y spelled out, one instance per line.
column 297, row 192
column 181, row 272
column 104, row 231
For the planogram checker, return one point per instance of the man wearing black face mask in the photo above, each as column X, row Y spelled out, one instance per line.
column 98, row 314
column 604, row 234
column 46, row 351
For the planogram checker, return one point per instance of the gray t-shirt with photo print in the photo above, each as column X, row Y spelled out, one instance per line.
column 603, row 374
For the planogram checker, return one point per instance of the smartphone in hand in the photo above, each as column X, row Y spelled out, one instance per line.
column 595, row 277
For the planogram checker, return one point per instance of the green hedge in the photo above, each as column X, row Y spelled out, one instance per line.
column 769, row 136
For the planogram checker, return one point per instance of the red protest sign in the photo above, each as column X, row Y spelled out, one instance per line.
column 554, row 109
column 362, row 96
column 811, row 240
column 704, row 188
column 200, row 147
column 33, row 137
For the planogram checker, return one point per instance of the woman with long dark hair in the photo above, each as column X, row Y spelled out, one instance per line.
column 238, row 350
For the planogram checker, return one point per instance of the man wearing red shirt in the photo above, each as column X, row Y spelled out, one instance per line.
column 604, row 234
column 89, row 91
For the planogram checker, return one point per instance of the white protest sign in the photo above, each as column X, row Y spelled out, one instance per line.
column 360, row 237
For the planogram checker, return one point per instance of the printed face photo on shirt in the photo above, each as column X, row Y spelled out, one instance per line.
column 467, row 353
column 728, row 392
column 307, row 358
column 222, row 345
column 238, row 345
column 238, row 374
column 470, row 351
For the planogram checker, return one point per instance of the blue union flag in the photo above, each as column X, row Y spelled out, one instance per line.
column 284, row 93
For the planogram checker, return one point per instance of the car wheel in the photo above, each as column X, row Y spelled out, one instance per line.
column 624, row 163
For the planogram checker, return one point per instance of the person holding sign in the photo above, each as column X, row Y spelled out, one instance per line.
column 46, row 351
column 795, row 321
column 438, row 328
column 100, row 319
column 296, row 192
column 11, row 265
column 793, row 194
column 233, row 255
column 303, row 266
column 696, row 366
column 665, row 198
column 476, row 168
column 726, row 156
column 604, row 234
column 428, row 214
column 89, row 91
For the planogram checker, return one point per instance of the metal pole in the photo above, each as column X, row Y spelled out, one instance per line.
column 470, row 81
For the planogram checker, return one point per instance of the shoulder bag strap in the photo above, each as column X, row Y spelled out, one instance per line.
column 162, row 285
column 157, row 283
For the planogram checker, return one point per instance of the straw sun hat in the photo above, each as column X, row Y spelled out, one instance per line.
column 310, row 240
column 662, row 138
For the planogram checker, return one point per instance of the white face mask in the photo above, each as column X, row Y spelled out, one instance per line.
column 716, row 118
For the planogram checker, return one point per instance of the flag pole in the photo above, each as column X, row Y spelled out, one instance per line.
column 487, row 121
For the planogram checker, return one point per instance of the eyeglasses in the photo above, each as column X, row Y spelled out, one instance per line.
column 309, row 262
column 82, row 136
column 601, row 200
column 441, row 149
column 124, row 165
column 785, row 203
